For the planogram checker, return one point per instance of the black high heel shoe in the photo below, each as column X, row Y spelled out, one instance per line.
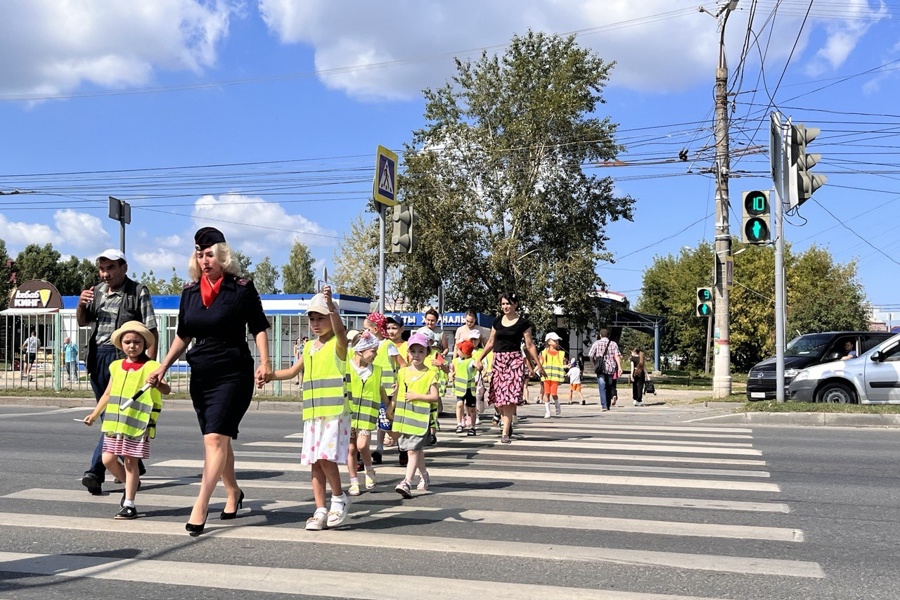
column 195, row 530
column 225, row 516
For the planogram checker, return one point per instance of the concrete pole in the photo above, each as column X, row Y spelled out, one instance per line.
column 722, row 353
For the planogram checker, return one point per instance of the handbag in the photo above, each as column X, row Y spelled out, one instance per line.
column 649, row 387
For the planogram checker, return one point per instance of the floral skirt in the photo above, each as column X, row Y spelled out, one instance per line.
column 326, row 438
column 507, row 379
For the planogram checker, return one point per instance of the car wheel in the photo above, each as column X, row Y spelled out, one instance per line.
column 836, row 393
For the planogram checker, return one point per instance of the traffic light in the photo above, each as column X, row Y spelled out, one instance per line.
column 704, row 302
column 756, row 224
column 801, row 183
column 402, row 236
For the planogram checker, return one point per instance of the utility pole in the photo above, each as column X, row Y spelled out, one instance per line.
column 722, row 353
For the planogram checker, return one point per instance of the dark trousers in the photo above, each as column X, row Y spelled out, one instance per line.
column 637, row 387
column 99, row 382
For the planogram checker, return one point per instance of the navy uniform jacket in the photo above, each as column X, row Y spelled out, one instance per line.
column 220, row 331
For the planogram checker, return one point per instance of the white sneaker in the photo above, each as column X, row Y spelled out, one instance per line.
column 547, row 415
column 317, row 521
column 339, row 511
column 636, row 403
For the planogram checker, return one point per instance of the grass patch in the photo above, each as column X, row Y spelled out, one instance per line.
column 731, row 398
column 782, row 407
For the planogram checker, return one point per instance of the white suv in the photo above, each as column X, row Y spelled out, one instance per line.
column 874, row 377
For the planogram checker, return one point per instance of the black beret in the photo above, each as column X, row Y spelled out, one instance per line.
column 206, row 237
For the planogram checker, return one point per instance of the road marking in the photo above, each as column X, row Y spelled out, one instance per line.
column 498, row 475
column 148, row 498
column 612, row 430
column 551, row 423
column 450, row 446
column 692, row 449
column 439, row 458
column 594, row 441
column 17, row 563
column 80, row 409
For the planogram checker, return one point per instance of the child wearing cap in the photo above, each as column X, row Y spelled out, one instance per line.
column 416, row 394
column 394, row 329
column 436, row 362
column 366, row 396
column 574, row 375
column 553, row 361
column 462, row 373
column 130, row 408
column 482, row 377
column 326, row 410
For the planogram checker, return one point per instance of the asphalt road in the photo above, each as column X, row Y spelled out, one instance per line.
column 638, row 503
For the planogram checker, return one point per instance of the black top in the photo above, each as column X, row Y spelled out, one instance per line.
column 509, row 339
column 220, row 331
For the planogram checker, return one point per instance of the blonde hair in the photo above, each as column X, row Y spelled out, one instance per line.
column 223, row 255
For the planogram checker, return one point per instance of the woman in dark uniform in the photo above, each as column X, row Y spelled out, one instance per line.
column 217, row 309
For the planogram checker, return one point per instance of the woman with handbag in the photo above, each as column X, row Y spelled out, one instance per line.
column 638, row 376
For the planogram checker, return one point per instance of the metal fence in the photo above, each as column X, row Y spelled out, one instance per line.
column 48, row 371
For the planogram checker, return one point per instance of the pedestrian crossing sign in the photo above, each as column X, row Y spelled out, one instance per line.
column 385, row 188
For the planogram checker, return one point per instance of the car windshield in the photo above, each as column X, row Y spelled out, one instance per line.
column 808, row 345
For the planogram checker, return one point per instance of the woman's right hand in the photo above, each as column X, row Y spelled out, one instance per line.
column 477, row 364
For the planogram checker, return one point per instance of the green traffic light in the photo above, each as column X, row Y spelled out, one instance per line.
column 757, row 230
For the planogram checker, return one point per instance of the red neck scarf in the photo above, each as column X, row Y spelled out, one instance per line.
column 127, row 365
column 209, row 291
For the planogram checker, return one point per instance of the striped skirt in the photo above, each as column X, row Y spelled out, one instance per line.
column 507, row 379
column 122, row 446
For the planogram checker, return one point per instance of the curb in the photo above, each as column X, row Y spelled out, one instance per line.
column 806, row 419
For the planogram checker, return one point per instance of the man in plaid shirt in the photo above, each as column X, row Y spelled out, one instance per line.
column 107, row 306
column 607, row 359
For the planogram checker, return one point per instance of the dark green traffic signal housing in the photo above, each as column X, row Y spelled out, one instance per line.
column 756, row 222
column 704, row 302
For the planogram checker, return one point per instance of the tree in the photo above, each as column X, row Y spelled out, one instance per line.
column 76, row 275
column 5, row 276
column 297, row 275
column 158, row 286
column 356, row 259
column 38, row 262
column 497, row 181
column 243, row 262
column 265, row 276
column 821, row 296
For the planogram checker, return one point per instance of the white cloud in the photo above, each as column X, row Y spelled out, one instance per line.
column 258, row 227
column 17, row 234
column 160, row 261
column 80, row 230
column 844, row 35
column 51, row 47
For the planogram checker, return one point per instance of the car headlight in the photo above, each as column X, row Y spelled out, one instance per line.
column 801, row 376
column 791, row 373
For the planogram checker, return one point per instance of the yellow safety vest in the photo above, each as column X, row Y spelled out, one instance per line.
column 365, row 398
column 324, row 382
column 140, row 417
column 384, row 360
column 554, row 368
column 463, row 376
column 411, row 417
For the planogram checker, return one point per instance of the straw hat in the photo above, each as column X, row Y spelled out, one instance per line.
column 132, row 327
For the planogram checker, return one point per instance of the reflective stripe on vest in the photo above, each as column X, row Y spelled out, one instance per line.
column 132, row 422
column 324, row 385
column 383, row 360
column 365, row 398
column 553, row 366
column 464, row 376
column 412, row 417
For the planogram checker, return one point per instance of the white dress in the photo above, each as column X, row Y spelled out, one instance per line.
column 326, row 438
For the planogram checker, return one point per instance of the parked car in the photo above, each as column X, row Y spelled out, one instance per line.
column 874, row 377
column 807, row 350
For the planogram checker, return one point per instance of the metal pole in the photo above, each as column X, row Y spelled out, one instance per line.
column 722, row 354
column 656, row 346
column 779, row 191
column 381, row 287
column 122, row 236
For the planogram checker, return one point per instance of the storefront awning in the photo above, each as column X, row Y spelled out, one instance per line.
column 24, row 312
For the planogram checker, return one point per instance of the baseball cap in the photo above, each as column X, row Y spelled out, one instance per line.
column 394, row 318
column 318, row 305
column 417, row 339
column 552, row 336
column 111, row 254
column 474, row 334
column 466, row 347
column 427, row 334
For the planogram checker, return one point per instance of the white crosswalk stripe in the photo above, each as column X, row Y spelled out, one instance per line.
column 697, row 472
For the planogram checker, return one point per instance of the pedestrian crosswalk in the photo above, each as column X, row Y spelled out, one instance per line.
column 573, row 492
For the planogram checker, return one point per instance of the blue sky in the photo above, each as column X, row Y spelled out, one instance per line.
column 262, row 118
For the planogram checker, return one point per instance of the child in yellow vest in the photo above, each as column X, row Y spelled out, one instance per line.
column 130, row 408
column 367, row 395
column 416, row 393
column 326, row 410
column 462, row 374
column 553, row 361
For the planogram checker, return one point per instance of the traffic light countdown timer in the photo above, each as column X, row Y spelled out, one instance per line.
column 704, row 302
column 756, row 229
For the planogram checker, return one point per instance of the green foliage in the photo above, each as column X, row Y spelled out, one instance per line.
column 297, row 275
column 265, row 277
column 356, row 258
column 498, row 185
column 76, row 275
column 5, row 284
column 821, row 296
column 243, row 261
column 38, row 262
column 159, row 286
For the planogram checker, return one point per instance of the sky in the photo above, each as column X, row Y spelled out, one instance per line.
column 262, row 118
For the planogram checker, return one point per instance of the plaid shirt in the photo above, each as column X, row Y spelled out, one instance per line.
column 597, row 350
column 108, row 311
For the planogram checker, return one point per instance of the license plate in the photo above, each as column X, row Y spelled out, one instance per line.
column 758, row 395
